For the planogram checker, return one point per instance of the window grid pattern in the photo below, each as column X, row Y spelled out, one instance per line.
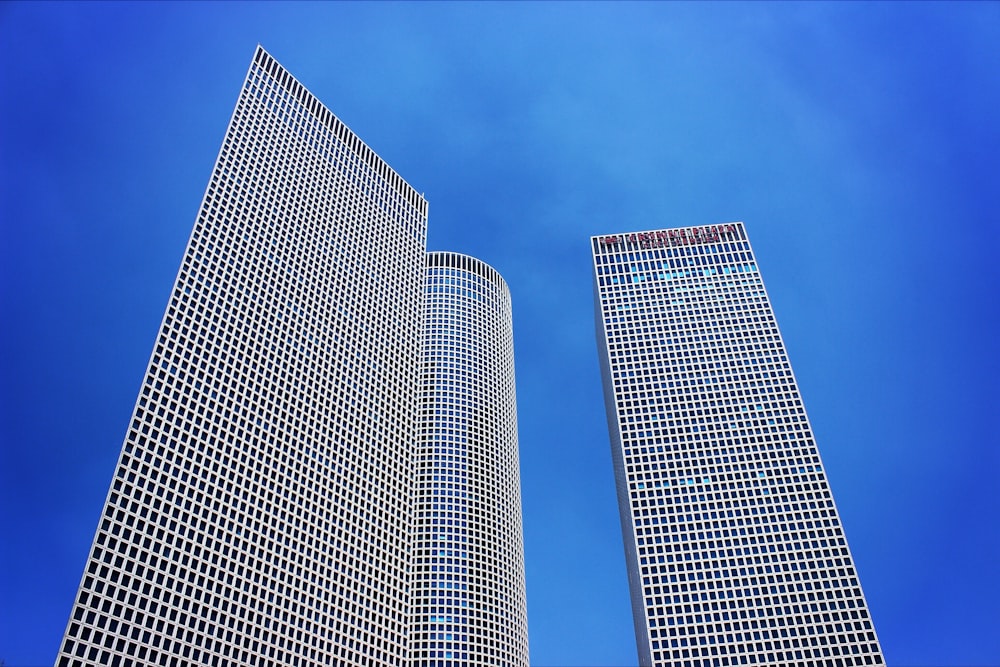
column 468, row 605
column 734, row 547
column 260, row 510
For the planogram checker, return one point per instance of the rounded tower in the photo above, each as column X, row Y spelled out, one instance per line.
column 468, row 594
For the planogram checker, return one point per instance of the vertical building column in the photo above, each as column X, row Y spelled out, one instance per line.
column 259, row 513
column 468, row 596
column 734, row 548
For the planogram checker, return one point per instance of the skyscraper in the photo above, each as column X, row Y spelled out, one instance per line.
column 261, row 511
column 468, row 567
column 734, row 548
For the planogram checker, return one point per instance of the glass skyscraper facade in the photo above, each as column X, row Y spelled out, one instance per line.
column 733, row 544
column 468, row 562
column 261, row 511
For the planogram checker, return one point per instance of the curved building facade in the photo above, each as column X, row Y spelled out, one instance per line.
column 468, row 594
column 261, row 512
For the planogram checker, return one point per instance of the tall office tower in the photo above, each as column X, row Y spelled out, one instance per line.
column 468, row 574
column 734, row 548
column 260, row 510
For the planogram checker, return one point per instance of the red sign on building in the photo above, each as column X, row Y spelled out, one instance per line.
column 674, row 237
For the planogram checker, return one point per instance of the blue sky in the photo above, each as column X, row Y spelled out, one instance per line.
column 859, row 143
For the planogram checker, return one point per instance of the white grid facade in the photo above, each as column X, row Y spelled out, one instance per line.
column 734, row 548
column 260, row 510
column 468, row 605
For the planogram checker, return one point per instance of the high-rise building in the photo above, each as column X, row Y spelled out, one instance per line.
column 261, row 511
column 468, row 561
column 733, row 545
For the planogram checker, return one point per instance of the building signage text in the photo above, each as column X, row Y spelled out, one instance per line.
column 674, row 237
